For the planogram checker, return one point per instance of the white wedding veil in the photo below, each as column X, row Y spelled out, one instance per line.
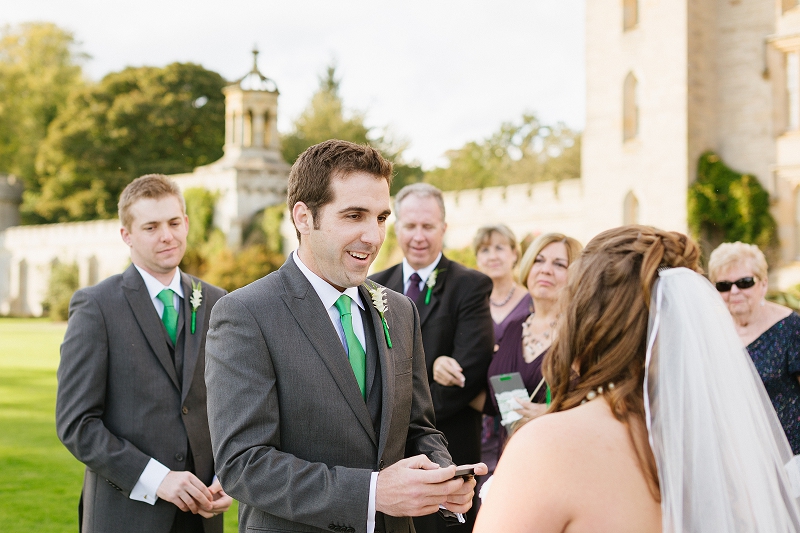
column 718, row 445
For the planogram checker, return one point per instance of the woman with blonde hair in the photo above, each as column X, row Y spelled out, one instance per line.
column 771, row 332
column 543, row 272
column 658, row 420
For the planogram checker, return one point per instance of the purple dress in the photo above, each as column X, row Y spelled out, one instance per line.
column 509, row 358
column 507, row 333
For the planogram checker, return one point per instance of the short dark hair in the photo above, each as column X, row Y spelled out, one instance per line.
column 310, row 177
column 152, row 186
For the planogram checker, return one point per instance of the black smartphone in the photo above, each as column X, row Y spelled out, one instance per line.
column 466, row 472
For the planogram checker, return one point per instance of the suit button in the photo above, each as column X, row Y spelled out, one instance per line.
column 381, row 466
column 185, row 410
column 179, row 457
column 351, row 530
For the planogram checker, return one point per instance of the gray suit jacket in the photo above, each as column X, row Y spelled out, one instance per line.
column 120, row 400
column 293, row 439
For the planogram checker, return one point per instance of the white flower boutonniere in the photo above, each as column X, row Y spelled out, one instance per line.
column 378, row 295
column 196, row 299
column 431, row 283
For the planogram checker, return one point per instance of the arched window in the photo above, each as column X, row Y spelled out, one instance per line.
column 630, row 209
column 630, row 14
column 630, row 108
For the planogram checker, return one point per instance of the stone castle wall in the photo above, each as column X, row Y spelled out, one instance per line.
column 27, row 254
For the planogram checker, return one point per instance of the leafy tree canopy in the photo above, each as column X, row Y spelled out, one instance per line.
column 726, row 206
column 519, row 152
column 325, row 118
column 40, row 64
column 134, row 122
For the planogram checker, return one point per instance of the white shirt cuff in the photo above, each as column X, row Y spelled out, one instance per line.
column 373, row 488
column 147, row 486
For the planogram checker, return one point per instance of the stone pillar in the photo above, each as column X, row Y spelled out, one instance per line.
column 258, row 128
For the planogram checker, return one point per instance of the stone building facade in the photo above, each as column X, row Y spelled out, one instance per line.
column 666, row 81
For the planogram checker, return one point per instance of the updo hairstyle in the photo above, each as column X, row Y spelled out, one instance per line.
column 603, row 327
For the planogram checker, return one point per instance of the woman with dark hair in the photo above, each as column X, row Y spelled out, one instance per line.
column 658, row 420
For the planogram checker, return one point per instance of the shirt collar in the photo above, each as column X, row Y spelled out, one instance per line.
column 424, row 273
column 154, row 286
column 326, row 292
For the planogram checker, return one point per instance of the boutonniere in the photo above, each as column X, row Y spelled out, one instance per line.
column 431, row 283
column 378, row 295
column 196, row 300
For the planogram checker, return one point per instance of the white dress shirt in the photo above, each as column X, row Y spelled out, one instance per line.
column 155, row 472
column 424, row 273
column 329, row 294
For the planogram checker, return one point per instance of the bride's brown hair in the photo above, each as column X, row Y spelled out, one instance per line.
column 603, row 327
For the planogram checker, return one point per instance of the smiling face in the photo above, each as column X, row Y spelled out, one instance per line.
column 742, row 302
column 496, row 258
column 349, row 230
column 157, row 235
column 548, row 275
column 420, row 230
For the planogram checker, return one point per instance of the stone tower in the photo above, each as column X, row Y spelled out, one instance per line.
column 251, row 175
column 668, row 80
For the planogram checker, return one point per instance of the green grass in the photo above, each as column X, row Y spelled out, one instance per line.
column 40, row 481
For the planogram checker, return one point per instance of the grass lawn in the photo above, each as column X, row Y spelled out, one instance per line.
column 40, row 481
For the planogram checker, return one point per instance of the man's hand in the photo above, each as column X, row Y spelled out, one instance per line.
column 460, row 501
column 415, row 486
column 447, row 372
column 187, row 492
column 221, row 501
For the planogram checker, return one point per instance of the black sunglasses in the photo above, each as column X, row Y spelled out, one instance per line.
column 744, row 283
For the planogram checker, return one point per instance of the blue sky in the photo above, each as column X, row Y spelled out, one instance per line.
column 437, row 73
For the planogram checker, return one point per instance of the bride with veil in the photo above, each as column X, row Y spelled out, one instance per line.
column 658, row 421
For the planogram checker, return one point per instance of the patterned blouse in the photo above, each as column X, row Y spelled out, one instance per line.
column 776, row 355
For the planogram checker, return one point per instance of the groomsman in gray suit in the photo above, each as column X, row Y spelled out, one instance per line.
column 319, row 407
column 131, row 399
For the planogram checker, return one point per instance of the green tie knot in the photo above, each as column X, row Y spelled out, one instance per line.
column 170, row 316
column 356, row 354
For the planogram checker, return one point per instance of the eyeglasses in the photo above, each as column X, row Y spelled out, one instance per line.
column 744, row 283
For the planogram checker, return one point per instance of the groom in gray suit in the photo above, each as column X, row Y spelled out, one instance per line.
column 319, row 407
column 131, row 399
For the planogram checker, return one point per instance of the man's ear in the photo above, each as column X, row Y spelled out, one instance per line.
column 126, row 235
column 302, row 217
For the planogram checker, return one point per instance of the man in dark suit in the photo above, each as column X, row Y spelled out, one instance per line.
column 457, row 329
column 319, row 408
column 131, row 399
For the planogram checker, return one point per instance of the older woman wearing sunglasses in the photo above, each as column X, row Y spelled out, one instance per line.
column 771, row 332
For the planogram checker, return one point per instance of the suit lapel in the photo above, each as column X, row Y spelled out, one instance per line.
column 147, row 318
column 386, row 364
column 191, row 341
column 424, row 309
column 395, row 281
column 313, row 319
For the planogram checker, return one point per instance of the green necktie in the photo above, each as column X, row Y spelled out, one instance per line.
column 170, row 316
column 358, row 359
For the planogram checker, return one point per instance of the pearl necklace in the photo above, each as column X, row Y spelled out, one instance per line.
column 504, row 302
column 592, row 394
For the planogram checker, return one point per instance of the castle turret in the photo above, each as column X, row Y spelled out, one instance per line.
column 10, row 200
column 251, row 175
column 251, row 117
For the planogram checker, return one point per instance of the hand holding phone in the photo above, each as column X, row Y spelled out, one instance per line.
column 464, row 472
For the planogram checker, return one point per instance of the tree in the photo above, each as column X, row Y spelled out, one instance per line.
column 40, row 64
column 726, row 206
column 138, row 121
column 326, row 118
column 523, row 152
